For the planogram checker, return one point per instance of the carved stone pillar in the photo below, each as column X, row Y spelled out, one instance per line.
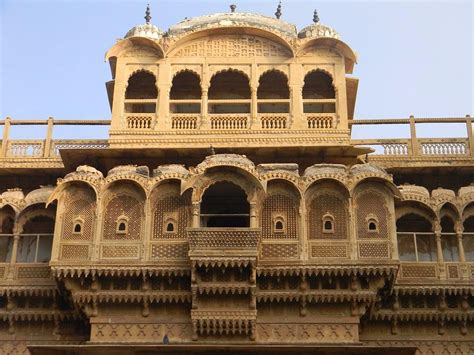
column 204, row 124
column 196, row 214
column 163, row 112
column 296, row 107
column 303, row 231
column 11, row 269
column 254, row 109
column 253, row 215
column 459, row 231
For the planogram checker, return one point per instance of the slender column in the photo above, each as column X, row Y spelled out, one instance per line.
column 414, row 142
column 6, row 134
column 439, row 249
column 95, row 252
column 352, row 230
column 303, row 231
column 459, row 231
column 296, row 107
column 253, row 215
column 163, row 112
column 196, row 213
column 49, row 137
column 254, row 109
column 11, row 269
column 205, row 124
column 470, row 135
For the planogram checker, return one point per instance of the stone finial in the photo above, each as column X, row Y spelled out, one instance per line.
column 315, row 16
column 147, row 14
column 212, row 151
column 232, row 7
column 278, row 12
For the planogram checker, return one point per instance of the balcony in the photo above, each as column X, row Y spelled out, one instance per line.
column 184, row 121
column 227, row 121
column 321, row 120
column 223, row 242
column 139, row 121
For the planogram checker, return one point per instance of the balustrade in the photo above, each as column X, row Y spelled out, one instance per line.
column 320, row 121
column 184, row 121
column 139, row 121
column 30, row 148
column 274, row 120
column 229, row 121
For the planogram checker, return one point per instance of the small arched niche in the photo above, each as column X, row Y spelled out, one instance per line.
column 319, row 95
column 185, row 94
column 141, row 93
column 273, row 93
column 229, row 85
column 225, row 204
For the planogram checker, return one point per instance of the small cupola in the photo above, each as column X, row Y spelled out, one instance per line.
column 147, row 30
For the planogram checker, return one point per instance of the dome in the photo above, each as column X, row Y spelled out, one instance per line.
column 146, row 30
column 317, row 29
column 233, row 19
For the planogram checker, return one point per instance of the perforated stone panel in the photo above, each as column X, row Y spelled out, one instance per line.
column 120, row 251
column 171, row 204
column 329, row 251
column 169, row 251
column 129, row 207
column 453, row 271
column 280, row 251
column 371, row 203
column 416, row 271
column 75, row 252
column 2, row 272
column 287, row 207
column 334, row 205
column 79, row 205
column 27, row 272
column 374, row 250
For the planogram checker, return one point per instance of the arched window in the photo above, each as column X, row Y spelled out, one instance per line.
column 185, row 94
column 449, row 241
column 279, row 225
column 328, row 223
column 273, row 93
column 318, row 93
column 170, row 226
column 225, row 205
column 468, row 238
column 141, row 93
column 77, row 226
column 122, row 225
column 416, row 241
column 229, row 85
column 372, row 224
column 36, row 241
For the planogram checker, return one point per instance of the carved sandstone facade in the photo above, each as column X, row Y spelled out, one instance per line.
column 230, row 209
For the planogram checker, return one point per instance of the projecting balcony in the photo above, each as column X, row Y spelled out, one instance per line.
column 223, row 242
column 321, row 120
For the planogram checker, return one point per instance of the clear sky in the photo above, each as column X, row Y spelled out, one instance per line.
column 415, row 57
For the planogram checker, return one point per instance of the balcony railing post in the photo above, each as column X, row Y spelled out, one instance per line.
column 49, row 138
column 6, row 134
column 414, row 142
column 470, row 135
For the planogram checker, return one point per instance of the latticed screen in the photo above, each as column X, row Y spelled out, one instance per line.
column 166, row 209
column 123, row 205
column 326, row 204
column 371, row 205
column 79, row 206
column 285, row 207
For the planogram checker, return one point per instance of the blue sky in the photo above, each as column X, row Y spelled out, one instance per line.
column 415, row 57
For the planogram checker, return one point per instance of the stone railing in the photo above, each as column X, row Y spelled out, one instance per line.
column 210, row 241
column 423, row 272
column 57, row 145
column 320, row 120
column 139, row 120
column 31, row 273
column 24, row 148
column 444, row 146
column 229, row 121
column 274, row 120
column 184, row 121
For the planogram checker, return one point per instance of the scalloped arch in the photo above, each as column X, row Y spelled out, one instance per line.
column 387, row 183
column 184, row 70
column 127, row 44
column 319, row 180
column 31, row 212
column 284, row 180
column 110, row 183
column 269, row 70
column 56, row 194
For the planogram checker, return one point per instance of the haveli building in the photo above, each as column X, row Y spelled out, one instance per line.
column 231, row 210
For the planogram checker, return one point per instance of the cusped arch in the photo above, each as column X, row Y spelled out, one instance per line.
column 31, row 212
column 135, row 43
column 112, row 181
column 139, row 71
column 60, row 189
column 383, row 181
column 467, row 210
column 339, row 182
column 449, row 208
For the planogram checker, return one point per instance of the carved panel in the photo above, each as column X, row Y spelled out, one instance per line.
column 311, row 333
column 31, row 272
column 328, row 203
column 123, row 205
column 120, row 251
column 233, row 46
column 75, row 252
column 417, row 271
column 78, row 204
column 371, row 204
column 329, row 251
column 2, row 272
column 284, row 205
column 280, row 250
column 453, row 271
column 169, row 251
column 170, row 205
column 374, row 250
column 140, row 332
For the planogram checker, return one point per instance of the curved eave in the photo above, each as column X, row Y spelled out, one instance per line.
column 341, row 47
column 230, row 29
column 124, row 44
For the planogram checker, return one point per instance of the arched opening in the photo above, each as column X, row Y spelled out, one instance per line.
column 141, row 93
column 77, row 227
column 225, row 204
column 416, row 241
column 229, row 92
column 7, row 218
column 185, row 94
column 279, row 226
column 318, row 93
column 372, row 225
column 170, row 227
column 273, row 93
column 36, row 241
column 468, row 238
column 449, row 242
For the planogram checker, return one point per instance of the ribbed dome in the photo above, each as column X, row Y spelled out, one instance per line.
column 146, row 30
column 318, row 30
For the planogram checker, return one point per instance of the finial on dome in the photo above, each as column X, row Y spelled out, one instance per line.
column 315, row 16
column 147, row 14
column 232, row 7
column 278, row 12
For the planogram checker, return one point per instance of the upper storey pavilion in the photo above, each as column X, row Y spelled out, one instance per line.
column 232, row 80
